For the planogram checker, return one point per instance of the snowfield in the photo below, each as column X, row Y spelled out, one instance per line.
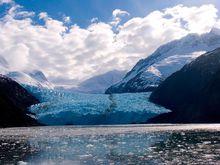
column 65, row 108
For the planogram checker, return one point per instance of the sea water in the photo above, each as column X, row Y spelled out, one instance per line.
column 121, row 144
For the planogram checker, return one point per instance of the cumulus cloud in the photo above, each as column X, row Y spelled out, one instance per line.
column 117, row 14
column 17, row 60
column 193, row 18
column 43, row 15
column 5, row 1
column 74, row 53
column 66, row 19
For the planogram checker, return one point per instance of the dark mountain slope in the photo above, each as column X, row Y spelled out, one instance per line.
column 193, row 93
column 14, row 101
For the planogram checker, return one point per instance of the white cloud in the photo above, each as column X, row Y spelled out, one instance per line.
column 26, row 14
column 43, row 15
column 74, row 53
column 17, row 11
column 197, row 19
column 17, row 60
column 66, row 19
column 117, row 14
column 5, row 1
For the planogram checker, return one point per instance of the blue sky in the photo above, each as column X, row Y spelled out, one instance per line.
column 82, row 11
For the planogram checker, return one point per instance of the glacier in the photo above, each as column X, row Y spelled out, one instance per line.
column 59, row 107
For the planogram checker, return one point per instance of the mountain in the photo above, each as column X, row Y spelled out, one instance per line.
column 100, row 83
column 41, row 79
column 148, row 73
column 35, row 78
column 14, row 101
column 193, row 93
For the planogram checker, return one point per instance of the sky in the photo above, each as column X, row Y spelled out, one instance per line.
column 73, row 40
column 81, row 12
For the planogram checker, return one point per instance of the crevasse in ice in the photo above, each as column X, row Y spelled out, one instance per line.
column 65, row 108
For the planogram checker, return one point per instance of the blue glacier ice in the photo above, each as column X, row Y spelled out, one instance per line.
column 67, row 108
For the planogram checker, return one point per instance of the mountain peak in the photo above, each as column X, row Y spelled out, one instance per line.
column 215, row 31
column 166, row 60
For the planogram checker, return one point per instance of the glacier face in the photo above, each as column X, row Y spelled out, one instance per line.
column 66, row 108
column 150, row 72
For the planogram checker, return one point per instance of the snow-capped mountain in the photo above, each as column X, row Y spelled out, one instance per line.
column 100, row 83
column 34, row 78
column 41, row 79
column 150, row 72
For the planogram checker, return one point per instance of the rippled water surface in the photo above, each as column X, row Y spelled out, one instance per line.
column 132, row 144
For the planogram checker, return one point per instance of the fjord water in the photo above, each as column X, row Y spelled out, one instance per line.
column 121, row 144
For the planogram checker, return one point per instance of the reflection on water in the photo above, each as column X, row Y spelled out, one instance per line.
column 189, row 148
column 111, row 145
column 14, row 150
